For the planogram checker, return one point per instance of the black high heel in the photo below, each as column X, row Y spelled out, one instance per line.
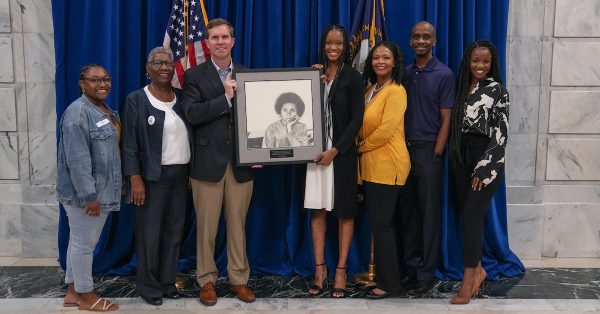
column 339, row 293
column 324, row 283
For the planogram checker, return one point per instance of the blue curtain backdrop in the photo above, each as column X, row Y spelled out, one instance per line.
column 119, row 35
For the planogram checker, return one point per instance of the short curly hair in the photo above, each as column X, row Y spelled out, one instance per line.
column 289, row 98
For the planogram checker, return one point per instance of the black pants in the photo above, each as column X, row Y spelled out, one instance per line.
column 380, row 202
column 419, row 211
column 158, row 231
column 473, row 204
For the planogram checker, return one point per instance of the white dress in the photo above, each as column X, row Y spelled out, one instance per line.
column 318, row 192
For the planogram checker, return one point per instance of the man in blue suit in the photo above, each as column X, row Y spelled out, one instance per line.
column 208, row 100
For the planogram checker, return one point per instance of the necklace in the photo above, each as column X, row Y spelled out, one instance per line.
column 375, row 90
column 163, row 98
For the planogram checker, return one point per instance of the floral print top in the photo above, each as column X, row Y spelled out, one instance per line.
column 486, row 113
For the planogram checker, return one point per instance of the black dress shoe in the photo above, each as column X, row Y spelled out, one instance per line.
column 374, row 296
column 153, row 300
column 421, row 287
column 408, row 282
column 172, row 295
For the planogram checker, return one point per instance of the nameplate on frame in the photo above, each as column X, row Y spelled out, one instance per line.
column 281, row 153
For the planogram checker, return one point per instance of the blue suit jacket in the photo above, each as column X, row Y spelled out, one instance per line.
column 207, row 110
column 142, row 141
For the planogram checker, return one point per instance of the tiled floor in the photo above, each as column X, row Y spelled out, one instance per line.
column 303, row 305
column 306, row 306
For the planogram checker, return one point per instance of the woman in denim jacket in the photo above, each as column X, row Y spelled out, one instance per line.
column 89, row 181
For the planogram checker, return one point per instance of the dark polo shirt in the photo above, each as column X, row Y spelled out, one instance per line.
column 429, row 89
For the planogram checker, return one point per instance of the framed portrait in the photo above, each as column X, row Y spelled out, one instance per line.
column 278, row 116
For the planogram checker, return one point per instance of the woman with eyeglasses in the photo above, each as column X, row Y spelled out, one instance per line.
column 156, row 154
column 88, row 181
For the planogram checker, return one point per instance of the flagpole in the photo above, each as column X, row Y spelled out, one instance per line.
column 372, row 26
column 204, row 12
column 185, row 34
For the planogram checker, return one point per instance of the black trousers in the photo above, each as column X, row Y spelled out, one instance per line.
column 380, row 203
column 419, row 211
column 473, row 204
column 158, row 231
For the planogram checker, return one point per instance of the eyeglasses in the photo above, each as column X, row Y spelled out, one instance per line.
column 98, row 80
column 423, row 37
column 158, row 63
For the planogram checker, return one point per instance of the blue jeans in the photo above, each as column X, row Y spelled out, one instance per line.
column 84, row 234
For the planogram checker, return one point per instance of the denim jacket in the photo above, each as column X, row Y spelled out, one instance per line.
column 89, row 162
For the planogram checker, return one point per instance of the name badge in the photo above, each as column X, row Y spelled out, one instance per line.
column 101, row 123
column 151, row 120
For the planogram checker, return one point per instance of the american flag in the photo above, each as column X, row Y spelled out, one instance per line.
column 177, row 37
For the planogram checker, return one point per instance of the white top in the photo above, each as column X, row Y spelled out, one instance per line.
column 318, row 191
column 175, row 143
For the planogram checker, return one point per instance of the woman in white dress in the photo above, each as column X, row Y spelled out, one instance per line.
column 331, row 182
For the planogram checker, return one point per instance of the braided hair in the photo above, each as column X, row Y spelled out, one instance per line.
column 342, row 61
column 369, row 75
column 465, row 78
column 345, row 57
column 86, row 68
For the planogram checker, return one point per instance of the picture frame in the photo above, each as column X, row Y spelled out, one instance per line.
column 278, row 116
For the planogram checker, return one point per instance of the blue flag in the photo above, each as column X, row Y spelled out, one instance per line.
column 368, row 28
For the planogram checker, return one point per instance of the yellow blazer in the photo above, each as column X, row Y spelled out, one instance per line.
column 384, row 157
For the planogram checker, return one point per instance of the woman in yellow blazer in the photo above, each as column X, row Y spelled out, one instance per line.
column 384, row 159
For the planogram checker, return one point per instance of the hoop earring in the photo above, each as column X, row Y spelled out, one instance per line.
column 147, row 76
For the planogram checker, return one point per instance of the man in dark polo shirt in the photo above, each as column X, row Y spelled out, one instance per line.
column 430, row 88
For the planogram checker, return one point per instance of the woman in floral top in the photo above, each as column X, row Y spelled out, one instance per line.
column 477, row 145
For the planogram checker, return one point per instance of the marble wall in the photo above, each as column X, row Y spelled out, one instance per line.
column 28, row 206
column 553, row 177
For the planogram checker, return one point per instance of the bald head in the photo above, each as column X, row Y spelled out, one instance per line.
column 422, row 40
column 424, row 25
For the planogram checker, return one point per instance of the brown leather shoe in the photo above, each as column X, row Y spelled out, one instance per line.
column 208, row 294
column 244, row 293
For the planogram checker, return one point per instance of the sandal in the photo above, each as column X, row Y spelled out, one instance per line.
column 316, row 290
column 339, row 293
column 68, row 304
column 105, row 306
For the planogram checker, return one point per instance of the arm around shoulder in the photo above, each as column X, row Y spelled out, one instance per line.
column 393, row 115
column 129, row 117
column 356, row 106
